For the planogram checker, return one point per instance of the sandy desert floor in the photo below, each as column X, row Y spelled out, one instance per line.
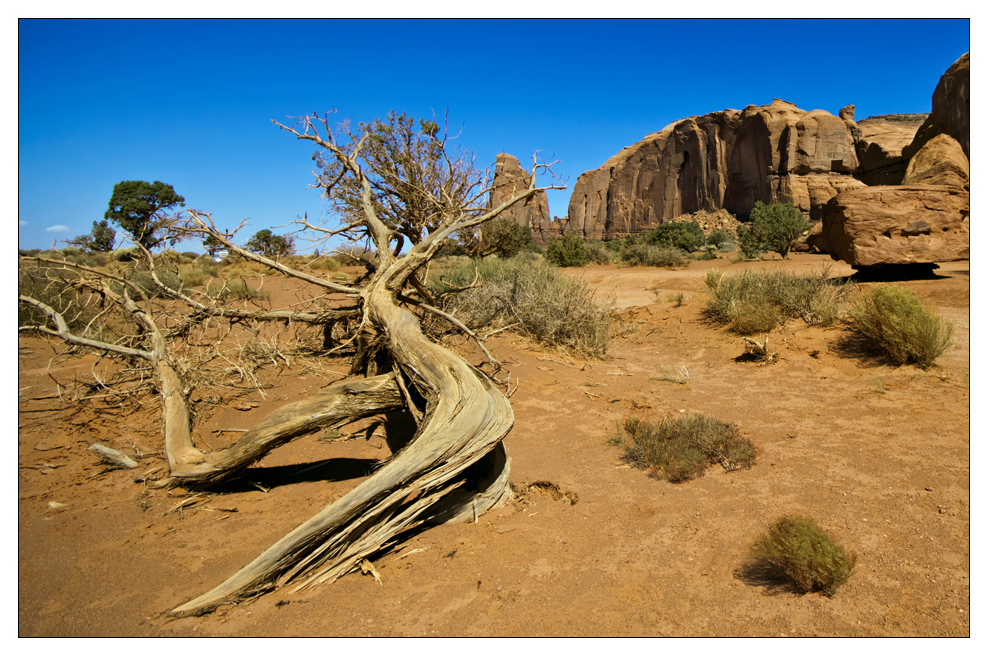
column 590, row 546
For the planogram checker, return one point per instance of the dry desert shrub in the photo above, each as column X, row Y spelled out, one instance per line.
column 531, row 298
column 804, row 554
column 758, row 301
column 681, row 448
column 894, row 321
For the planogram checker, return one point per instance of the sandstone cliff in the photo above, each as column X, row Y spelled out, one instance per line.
column 951, row 113
column 724, row 160
column 510, row 179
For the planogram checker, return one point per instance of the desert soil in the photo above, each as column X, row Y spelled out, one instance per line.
column 878, row 455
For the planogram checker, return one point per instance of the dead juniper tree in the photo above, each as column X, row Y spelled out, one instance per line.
column 390, row 183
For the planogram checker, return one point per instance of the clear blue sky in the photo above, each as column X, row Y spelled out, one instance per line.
column 189, row 102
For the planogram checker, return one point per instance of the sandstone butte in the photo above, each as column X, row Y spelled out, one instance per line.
column 730, row 159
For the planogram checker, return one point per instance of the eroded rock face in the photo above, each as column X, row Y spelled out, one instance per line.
column 940, row 162
column 510, row 179
column 879, row 141
column 878, row 226
column 951, row 109
column 724, row 160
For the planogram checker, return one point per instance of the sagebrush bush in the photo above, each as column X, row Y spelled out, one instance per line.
column 192, row 276
column 894, row 321
column 142, row 278
column 236, row 289
column 720, row 237
column 600, row 253
column 802, row 552
column 531, row 297
column 681, row 448
column 758, row 301
column 570, row 251
column 641, row 254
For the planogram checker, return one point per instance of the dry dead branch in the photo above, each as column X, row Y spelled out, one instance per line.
column 454, row 468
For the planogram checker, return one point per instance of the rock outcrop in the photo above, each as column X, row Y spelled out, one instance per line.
column 879, row 141
column 510, row 179
column 731, row 159
column 940, row 162
column 926, row 219
column 951, row 109
column 724, row 160
column 879, row 226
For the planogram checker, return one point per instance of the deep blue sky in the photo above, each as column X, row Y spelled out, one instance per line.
column 189, row 102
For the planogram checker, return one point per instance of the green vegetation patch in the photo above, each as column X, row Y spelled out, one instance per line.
column 529, row 297
column 758, row 301
column 895, row 322
column 803, row 553
column 681, row 448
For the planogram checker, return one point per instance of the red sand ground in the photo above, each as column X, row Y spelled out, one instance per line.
column 878, row 455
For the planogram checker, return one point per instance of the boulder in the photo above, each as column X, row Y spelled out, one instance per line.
column 940, row 162
column 879, row 226
column 879, row 141
column 847, row 114
column 951, row 109
column 510, row 179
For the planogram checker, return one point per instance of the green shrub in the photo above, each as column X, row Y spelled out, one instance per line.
column 236, row 289
column 124, row 254
column 681, row 448
column 600, row 253
column 637, row 253
column 142, row 278
column 192, row 276
column 750, row 244
column 776, row 227
column 802, row 552
column 898, row 324
column 720, row 238
column 757, row 301
column 505, row 238
column 530, row 297
column 208, row 267
column 685, row 235
column 570, row 251
column 325, row 263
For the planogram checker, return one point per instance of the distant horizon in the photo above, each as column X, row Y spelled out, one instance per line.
column 601, row 86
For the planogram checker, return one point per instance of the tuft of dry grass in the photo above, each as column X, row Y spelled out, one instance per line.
column 531, row 298
column 758, row 301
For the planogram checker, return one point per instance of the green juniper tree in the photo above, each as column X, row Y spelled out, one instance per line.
column 140, row 208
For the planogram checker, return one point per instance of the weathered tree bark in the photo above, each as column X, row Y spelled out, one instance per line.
column 333, row 407
column 465, row 418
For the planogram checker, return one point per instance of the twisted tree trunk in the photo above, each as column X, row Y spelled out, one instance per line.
column 452, row 469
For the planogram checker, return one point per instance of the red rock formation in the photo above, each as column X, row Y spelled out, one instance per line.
column 940, row 162
column 724, row 160
column 510, row 179
column 879, row 141
column 951, row 109
column 878, row 226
